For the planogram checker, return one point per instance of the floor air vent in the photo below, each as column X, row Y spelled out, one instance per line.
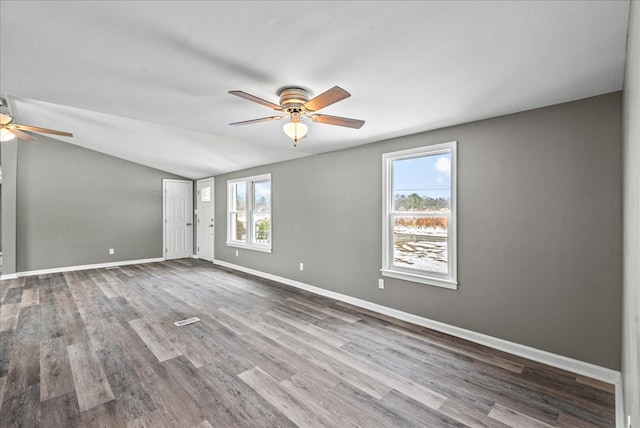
column 187, row 321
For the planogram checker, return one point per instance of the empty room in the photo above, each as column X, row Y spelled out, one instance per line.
column 320, row 214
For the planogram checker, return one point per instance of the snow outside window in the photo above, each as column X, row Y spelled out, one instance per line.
column 249, row 213
column 419, row 215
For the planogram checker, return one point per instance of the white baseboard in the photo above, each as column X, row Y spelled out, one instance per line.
column 575, row 366
column 82, row 267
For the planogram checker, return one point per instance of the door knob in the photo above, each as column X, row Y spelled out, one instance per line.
column 210, row 225
column 188, row 224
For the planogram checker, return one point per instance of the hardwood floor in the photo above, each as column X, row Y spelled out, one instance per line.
column 99, row 348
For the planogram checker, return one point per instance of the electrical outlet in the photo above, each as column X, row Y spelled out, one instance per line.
column 111, row 251
column 301, row 266
column 380, row 283
column 237, row 253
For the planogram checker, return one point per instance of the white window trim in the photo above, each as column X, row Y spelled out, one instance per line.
column 431, row 278
column 248, row 245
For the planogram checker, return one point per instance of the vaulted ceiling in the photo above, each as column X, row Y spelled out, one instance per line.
column 148, row 81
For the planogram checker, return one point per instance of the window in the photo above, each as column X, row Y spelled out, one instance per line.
column 249, row 213
column 419, row 215
column 205, row 195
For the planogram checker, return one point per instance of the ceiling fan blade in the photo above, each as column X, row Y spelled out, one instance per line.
column 5, row 119
column 41, row 130
column 336, row 120
column 327, row 98
column 255, row 99
column 19, row 134
column 263, row 119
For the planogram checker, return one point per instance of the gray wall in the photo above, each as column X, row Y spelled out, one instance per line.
column 73, row 204
column 0, row 217
column 631, row 314
column 540, row 237
column 9, row 150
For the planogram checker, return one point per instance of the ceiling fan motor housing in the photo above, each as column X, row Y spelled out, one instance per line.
column 292, row 100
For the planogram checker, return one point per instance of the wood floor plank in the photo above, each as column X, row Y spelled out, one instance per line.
column 538, row 393
column 174, row 393
column 13, row 296
column 22, row 409
column 9, row 284
column 276, row 364
column 228, row 322
column 514, row 418
column 3, row 381
column 203, row 424
column 55, row 369
column 212, row 399
column 133, row 401
column 24, row 371
column 325, row 310
column 346, row 372
column 105, row 286
column 469, row 416
column 476, row 389
column 411, row 413
column 569, row 421
column 607, row 387
column 61, row 411
column 286, row 402
column 321, row 405
column 30, row 297
column 6, row 346
column 92, row 387
column 432, row 372
column 51, row 320
column 232, row 395
column 307, row 327
column 102, row 416
column 194, row 344
column 343, row 404
column 305, row 309
column 9, row 316
column 157, row 418
column 470, row 352
column 417, row 392
column 155, row 339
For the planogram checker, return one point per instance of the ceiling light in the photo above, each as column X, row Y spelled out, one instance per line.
column 6, row 135
column 295, row 130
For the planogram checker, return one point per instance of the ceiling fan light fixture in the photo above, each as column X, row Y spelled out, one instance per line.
column 6, row 135
column 295, row 103
column 295, row 130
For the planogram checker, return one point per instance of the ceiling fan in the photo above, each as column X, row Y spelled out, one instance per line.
column 9, row 130
column 296, row 105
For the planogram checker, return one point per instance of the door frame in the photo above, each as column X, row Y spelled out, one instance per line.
column 198, row 215
column 164, row 213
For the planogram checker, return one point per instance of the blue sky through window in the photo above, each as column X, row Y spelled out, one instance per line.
column 428, row 176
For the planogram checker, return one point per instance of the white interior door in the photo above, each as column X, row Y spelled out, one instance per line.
column 205, row 219
column 178, row 219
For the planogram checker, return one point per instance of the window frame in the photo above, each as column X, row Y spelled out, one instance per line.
column 448, row 280
column 249, row 241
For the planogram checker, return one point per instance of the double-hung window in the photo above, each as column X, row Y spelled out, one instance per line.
column 419, row 215
column 249, row 212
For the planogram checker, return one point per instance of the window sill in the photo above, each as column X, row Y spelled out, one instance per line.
column 437, row 282
column 260, row 248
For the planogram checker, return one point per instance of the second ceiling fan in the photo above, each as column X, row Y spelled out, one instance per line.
column 10, row 130
column 296, row 105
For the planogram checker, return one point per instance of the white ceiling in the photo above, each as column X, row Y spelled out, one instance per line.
column 148, row 81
